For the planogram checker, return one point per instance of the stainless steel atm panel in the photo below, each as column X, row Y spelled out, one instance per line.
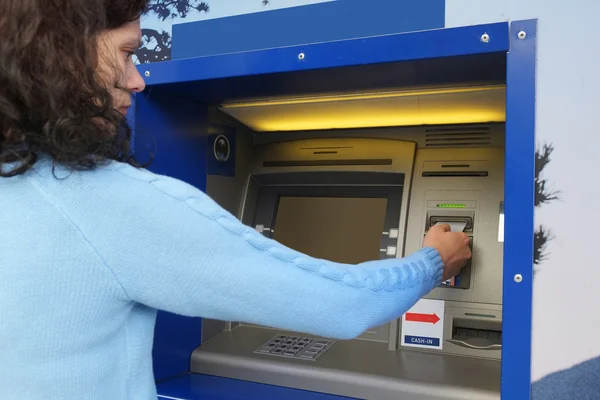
column 424, row 186
column 464, row 188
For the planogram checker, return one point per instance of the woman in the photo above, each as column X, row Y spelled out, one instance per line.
column 92, row 245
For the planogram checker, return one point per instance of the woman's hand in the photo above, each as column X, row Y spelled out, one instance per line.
column 452, row 246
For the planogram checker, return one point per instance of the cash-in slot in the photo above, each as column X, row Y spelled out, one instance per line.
column 477, row 333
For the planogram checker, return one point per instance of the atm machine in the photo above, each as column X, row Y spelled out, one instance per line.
column 363, row 194
column 357, row 163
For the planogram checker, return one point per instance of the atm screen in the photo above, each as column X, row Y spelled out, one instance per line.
column 341, row 229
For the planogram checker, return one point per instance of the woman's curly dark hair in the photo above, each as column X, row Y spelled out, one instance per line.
column 51, row 100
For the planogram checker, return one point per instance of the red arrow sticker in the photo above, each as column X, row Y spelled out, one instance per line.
column 426, row 318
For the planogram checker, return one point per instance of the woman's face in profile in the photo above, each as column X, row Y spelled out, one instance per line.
column 115, row 66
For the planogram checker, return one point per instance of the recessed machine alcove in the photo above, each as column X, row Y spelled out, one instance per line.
column 351, row 151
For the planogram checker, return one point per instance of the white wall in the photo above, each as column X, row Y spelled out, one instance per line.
column 567, row 285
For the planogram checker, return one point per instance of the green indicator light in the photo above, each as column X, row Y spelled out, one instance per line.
column 451, row 206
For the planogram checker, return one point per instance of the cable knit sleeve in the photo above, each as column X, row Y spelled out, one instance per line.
column 171, row 247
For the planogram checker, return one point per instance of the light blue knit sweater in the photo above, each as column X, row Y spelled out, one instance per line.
column 86, row 259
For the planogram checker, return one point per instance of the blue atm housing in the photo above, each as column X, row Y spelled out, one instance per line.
column 171, row 118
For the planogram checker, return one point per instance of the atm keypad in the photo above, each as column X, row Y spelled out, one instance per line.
column 295, row 347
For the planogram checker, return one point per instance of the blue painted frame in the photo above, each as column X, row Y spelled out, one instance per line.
column 520, row 138
column 312, row 23
column 343, row 53
column 175, row 336
column 519, row 210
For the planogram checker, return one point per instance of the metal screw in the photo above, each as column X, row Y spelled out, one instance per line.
column 518, row 278
column 522, row 35
column 485, row 38
column 301, row 56
column 147, row 73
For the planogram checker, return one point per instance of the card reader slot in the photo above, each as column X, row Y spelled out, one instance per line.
column 434, row 219
column 479, row 334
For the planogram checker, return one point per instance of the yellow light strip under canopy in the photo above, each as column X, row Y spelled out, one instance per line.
column 479, row 104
